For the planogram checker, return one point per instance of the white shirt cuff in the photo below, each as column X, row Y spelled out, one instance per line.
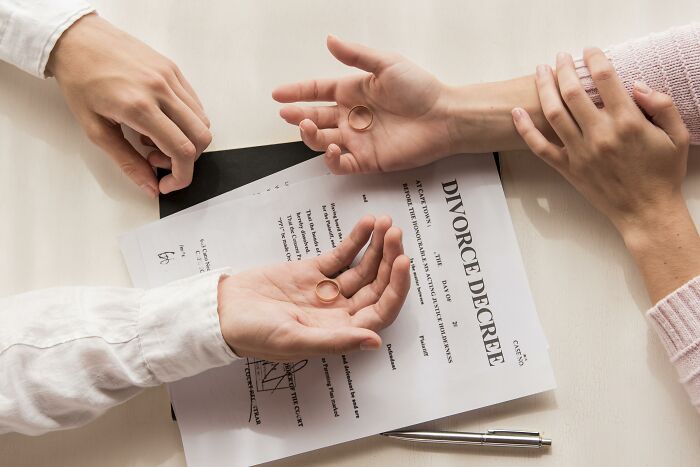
column 29, row 30
column 179, row 328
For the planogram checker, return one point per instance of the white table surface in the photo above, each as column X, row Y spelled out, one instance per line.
column 62, row 205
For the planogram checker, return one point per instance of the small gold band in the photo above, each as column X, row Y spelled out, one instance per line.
column 357, row 108
column 327, row 299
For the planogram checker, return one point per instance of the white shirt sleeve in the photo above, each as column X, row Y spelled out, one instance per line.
column 69, row 354
column 29, row 30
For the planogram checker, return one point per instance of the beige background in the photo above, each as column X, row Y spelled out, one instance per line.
column 62, row 205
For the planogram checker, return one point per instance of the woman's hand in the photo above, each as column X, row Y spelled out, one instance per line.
column 109, row 78
column 409, row 106
column 273, row 312
column 628, row 167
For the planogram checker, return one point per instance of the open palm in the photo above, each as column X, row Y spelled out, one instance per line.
column 273, row 312
column 409, row 127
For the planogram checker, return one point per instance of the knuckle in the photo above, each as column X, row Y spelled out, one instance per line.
column 168, row 66
column 571, row 93
column 603, row 73
column 604, row 144
column 203, row 140
column 138, row 107
column 627, row 126
column 187, row 151
column 156, row 82
column 554, row 115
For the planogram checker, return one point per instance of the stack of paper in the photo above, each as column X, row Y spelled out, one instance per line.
column 467, row 337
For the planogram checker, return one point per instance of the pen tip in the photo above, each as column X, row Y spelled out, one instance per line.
column 546, row 442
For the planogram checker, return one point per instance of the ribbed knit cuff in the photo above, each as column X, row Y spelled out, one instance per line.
column 676, row 320
column 668, row 62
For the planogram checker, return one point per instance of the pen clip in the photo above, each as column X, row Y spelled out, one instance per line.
column 513, row 432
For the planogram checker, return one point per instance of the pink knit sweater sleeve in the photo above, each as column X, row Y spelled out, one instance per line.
column 676, row 319
column 668, row 62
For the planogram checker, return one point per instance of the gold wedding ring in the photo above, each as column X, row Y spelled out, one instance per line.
column 327, row 298
column 358, row 111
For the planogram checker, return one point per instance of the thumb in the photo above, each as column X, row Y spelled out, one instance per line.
column 310, row 341
column 663, row 112
column 360, row 56
column 112, row 141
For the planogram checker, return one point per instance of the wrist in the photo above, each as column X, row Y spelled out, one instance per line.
column 66, row 42
column 479, row 115
column 223, row 308
column 661, row 223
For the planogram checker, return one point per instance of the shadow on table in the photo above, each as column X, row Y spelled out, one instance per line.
column 559, row 213
column 36, row 108
column 139, row 430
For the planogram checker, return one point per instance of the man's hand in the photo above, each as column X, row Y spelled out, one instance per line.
column 109, row 78
column 273, row 312
column 409, row 105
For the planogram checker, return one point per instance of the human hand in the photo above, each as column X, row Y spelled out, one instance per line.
column 628, row 167
column 409, row 108
column 109, row 78
column 273, row 312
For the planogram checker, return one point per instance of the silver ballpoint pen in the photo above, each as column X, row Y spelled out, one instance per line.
column 507, row 438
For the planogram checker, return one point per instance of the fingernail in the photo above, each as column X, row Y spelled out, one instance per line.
column 369, row 345
column 149, row 190
column 517, row 114
column 541, row 70
column 642, row 87
column 561, row 56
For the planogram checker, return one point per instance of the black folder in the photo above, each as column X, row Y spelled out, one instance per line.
column 217, row 172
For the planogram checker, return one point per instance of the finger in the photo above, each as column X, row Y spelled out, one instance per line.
column 150, row 121
column 339, row 163
column 172, row 142
column 369, row 294
column 312, row 90
column 535, row 140
column 111, row 139
column 580, row 105
column 553, row 108
column 188, row 121
column 340, row 257
column 160, row 160
column 304, row 341
column 610, row 88
column 662, row 112
column 322, row 116
column 365, row 272
column 183, row 94
column 188, row 87
column 146, row 117
column 387, row 308
column 360, row 56
column 316, row 139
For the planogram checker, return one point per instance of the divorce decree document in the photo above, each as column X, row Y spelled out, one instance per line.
column 467, row 337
